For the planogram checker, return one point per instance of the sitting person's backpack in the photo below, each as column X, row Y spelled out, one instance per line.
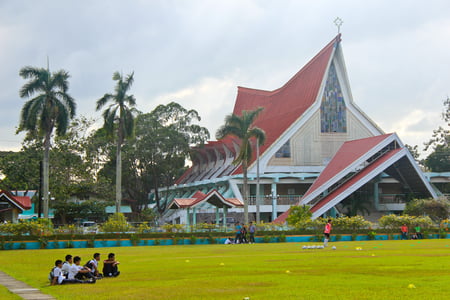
column 51, row 275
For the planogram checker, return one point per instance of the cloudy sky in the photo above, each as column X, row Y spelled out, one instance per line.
column 197, row 52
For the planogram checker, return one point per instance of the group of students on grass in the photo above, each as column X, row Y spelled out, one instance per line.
column 71, row 270
column 241, row 234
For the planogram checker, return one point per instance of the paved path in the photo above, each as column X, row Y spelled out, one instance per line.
column 22, row 289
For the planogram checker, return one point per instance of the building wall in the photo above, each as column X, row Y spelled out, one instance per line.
column 310, row 147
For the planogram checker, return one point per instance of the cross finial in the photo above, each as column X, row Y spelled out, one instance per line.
column 338, row 22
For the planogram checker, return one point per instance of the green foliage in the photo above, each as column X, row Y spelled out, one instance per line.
column 143, row 228
column 371, row 235
column 193, row 239
column 436, row 209
column 157, row 154
column 37, row 227
column 282, row 238
column 135, row 239
column 299, row 216
column 394, row 222
column 439, row 159
column 116, row 223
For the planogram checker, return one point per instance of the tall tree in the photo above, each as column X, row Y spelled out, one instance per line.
column 439, row 159
column 52, row 107
column 242, row 127
column 158, row 153
column 118, row 118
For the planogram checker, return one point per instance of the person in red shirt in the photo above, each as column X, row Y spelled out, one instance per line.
column 404, row 230
column 326, row 233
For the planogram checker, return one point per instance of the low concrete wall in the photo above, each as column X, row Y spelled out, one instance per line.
column 108, row 243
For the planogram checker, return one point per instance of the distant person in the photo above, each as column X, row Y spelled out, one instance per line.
column 229, row 241
column 418, row 231
column 238, row 238
column 93, row 265
column 252, row 231
column 326, row 233
column 243, row 234
column 110, row 266
column 404, row 231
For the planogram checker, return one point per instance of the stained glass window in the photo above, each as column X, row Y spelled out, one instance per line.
column 333, row 116
column 284, row 151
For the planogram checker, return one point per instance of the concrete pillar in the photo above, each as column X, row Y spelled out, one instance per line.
column 194, row 216
column 274, row 201
column 376, row 195
column 217, row 215
column 188, row 219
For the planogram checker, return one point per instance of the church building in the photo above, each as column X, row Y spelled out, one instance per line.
column 321, row 150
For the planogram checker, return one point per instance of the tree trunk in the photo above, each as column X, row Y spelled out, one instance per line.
column 45, row 175
column 118, row 176
column 245, row 191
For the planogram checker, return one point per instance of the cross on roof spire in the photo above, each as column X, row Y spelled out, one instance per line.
column 338, row 22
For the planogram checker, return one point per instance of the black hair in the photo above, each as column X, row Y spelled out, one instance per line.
column 68, row 256
column 57, row 262
column 96, row 254
column 111, row 255
column 76, row 259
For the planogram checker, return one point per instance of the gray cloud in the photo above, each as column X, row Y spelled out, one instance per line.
column 197, row 52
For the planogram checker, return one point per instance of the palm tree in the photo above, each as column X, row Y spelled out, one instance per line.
column 241, row 127
column 52, row 107
column 118, row 117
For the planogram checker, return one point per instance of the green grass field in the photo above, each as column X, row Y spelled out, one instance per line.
column 381, row 270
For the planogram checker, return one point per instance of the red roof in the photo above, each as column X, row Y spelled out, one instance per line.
column 355, row 179
column 283, row 106
column 24, row 202
column 349, row 152
column 213, row 197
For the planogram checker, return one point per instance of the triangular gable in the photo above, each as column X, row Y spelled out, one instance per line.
column 214, row 197
column 282, row 107
column 356, row 163
column 350, row 152
column 21, row 202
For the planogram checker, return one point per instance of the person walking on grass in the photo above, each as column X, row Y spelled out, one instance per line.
column 251, row 231
column 326, row 233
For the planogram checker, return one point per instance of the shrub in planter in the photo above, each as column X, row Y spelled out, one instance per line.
column 282, row 238
column 338, row 237
column 193, row 240
column 371, row 235
column 134, row 239
column 266, row 239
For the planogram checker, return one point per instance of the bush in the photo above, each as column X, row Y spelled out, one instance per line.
column 116, row 223
column 371, row 235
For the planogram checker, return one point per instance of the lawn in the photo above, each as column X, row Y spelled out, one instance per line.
column 416, row 269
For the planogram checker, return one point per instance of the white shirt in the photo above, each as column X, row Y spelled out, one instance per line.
column 57, row 272
column 94, row 264
column 73, row 270
column 65, row 267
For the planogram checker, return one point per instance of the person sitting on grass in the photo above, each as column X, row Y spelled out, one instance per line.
column 66, row 265
column 110, row 266
column 79, row 272
column 56, row 276
column 93, row 265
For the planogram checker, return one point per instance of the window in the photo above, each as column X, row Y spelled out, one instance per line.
column 284, row 151
column 333, row 114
